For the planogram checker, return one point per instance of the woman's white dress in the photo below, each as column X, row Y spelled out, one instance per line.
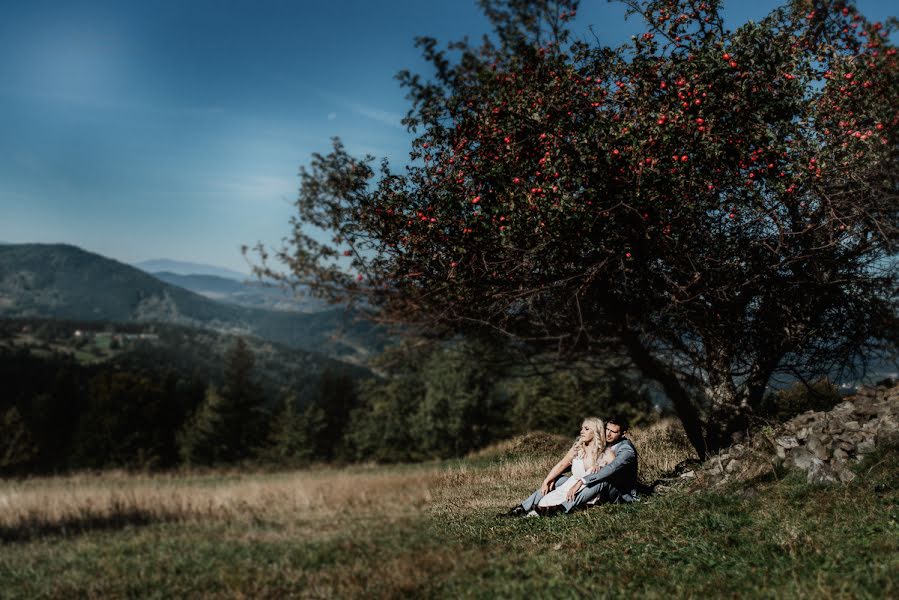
column 559, row 495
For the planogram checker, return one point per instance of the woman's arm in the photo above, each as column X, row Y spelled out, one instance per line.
column 563, row 465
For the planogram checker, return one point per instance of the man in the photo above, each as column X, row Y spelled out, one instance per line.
column 615, row 482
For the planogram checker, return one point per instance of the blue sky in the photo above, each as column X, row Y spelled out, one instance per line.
column 175, row 129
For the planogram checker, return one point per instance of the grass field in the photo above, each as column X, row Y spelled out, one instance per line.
column 430, row 530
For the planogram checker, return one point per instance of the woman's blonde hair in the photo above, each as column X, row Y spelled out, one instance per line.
column 591, row 453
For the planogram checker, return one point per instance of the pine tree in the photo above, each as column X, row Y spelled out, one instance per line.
column 293, row 436
column 241, row 408
column 17, row 447
column 202, row 440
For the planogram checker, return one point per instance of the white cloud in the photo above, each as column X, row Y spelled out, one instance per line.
column 363, row 110
column 254, row 187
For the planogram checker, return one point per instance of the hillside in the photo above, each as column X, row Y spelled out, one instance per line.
column 157, row 346
column 66, row 282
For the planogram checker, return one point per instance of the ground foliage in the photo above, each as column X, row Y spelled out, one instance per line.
column 431, row 531
column 721, row 206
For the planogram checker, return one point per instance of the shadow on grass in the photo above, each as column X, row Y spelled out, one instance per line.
column 35, row 528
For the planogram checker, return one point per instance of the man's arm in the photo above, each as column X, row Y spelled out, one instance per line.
column 625, row 455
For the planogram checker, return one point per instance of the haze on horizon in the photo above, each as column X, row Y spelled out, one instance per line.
column 175, row 129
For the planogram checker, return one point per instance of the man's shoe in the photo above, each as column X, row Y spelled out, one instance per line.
column 515, row 511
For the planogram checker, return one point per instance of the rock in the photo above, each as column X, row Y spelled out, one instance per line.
column 845, row 475
column 846, row 406
column 787, row 441
column 865, row 447
column 819, row 449
column 868, row 411
column 887, row 437
column 820, row 472
column 803, row 459
column 823, row 444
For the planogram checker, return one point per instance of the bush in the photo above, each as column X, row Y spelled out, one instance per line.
column 800, row 397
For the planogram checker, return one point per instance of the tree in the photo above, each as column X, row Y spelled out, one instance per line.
column 229, row 424
column 455, row 412
column 203, row 439
column 17, row 447
column 122, row 422
column 720, row 206
column 433, row 400
column 294, row 437
column 381, row 428
column 329, row 412
column 242, row 413
column 558, row 401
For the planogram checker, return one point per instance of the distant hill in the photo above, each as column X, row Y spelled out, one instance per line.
column 65, row 282
column 139, row 347
column 178, row 267
column 253, row 294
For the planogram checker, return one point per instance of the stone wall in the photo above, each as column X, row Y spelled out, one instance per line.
column 823, row 444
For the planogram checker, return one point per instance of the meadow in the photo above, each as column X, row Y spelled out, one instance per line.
column 431, row 530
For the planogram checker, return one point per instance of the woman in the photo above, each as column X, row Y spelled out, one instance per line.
column 588, row 455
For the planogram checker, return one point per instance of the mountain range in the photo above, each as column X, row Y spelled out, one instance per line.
column 61, row 281
column 179, row 267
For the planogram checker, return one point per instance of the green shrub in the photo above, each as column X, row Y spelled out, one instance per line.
column 798, row 398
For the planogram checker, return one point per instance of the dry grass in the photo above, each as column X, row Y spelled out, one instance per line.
column 660, row 447
column 110, row 500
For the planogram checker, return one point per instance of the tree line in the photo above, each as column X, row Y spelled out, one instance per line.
column 435, row 402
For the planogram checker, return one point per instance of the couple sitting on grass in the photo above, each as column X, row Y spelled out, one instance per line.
column 603, row 465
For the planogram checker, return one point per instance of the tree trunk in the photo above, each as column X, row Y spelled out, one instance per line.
column 684, row 405
column 728, row 406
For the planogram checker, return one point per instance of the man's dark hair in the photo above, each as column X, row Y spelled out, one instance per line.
column 619, row 420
